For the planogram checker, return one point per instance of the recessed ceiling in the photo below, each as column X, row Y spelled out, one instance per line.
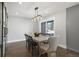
column 26, row 9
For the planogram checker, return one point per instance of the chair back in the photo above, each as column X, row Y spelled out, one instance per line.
column 52, row 44
column 31, row 41
column 26, row 36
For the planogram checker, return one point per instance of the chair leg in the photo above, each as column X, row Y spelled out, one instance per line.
column 34, row 52
column 38, row 50
column 48, row 54
column 29, row 48
column 26, row 46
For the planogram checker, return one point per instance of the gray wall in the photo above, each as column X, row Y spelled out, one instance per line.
column 72, row 14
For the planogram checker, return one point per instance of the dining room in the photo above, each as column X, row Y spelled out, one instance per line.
column 37, row 29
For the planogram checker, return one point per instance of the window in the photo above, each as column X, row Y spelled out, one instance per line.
column 43, row 27
column 50, row 26
column 47, row 27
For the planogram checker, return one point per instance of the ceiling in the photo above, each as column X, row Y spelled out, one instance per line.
column 26, row 9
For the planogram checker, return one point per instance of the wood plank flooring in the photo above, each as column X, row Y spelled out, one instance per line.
column 18, row 49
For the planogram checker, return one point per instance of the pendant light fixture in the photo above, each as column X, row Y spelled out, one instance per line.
column 37, row 17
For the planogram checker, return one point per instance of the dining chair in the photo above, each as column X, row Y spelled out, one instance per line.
column 50, row 48
column 32, row 45
column 26, row 37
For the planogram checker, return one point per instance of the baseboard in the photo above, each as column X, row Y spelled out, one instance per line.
column 12, row 41
column 69, row 49
column 62, row 46
column 73, row 50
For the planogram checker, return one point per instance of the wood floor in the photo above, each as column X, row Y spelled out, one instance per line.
column 19, row 49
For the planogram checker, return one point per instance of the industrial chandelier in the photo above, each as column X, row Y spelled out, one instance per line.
column 37, row 17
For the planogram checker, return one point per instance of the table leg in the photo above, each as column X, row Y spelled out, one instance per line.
column 39, row 49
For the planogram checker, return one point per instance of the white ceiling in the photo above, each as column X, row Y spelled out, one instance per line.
column 26, row 9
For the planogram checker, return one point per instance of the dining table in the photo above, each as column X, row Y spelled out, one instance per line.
column 39, row 40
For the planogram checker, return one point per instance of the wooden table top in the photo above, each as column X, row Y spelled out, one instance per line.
column 40, row 38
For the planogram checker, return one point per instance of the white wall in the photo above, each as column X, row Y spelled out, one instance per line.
column 60, row 27
column 17, row 27
column 35, row 26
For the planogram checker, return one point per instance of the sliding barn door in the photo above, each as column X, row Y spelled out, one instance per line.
column 73, row 28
